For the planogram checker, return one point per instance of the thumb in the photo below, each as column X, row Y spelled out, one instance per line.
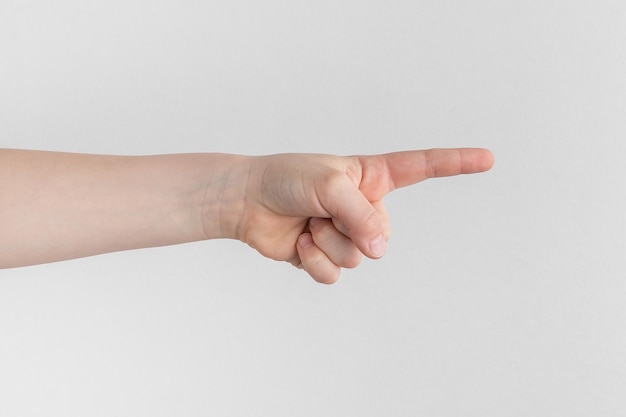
column 357, row 217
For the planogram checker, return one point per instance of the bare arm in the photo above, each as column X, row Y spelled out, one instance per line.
column 319, row 212
column 57, row 206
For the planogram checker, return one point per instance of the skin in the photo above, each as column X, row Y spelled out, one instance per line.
column 321, row 213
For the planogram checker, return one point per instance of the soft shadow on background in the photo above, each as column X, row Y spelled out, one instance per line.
column 502, row 294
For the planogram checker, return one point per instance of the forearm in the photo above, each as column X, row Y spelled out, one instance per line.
column 56, row 206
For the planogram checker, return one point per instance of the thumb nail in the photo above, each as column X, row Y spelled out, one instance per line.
column 378, row 246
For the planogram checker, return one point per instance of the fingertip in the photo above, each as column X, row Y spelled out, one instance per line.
column 315, row 262
column 378, row 247
column 475, row 160
column 305, row 240
column 488, row 159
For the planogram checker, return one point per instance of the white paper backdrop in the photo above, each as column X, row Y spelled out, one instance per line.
column 502, row 294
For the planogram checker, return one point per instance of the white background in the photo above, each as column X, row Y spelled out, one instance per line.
column 502, row 294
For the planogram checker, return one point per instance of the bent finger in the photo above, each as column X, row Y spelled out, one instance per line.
column 360, row 220
column 384, row 216
column 336, row 245
column 315, row 262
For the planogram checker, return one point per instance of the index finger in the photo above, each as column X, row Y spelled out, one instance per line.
column 400, row 169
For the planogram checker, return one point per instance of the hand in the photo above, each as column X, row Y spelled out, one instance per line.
column 323, row 212
column 319, row 212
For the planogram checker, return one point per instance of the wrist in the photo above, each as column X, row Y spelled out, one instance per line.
column 224, row 196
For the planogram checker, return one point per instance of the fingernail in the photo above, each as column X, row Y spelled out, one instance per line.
column 306, row 241
column 378, row 246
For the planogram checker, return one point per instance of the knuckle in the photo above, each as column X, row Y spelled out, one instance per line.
column 328, row 277
column 334, row 177
column 430, row 171
column 322, row 231
column 352, row 259
column 371, row 223
column 310, row 263
column 341, row 227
